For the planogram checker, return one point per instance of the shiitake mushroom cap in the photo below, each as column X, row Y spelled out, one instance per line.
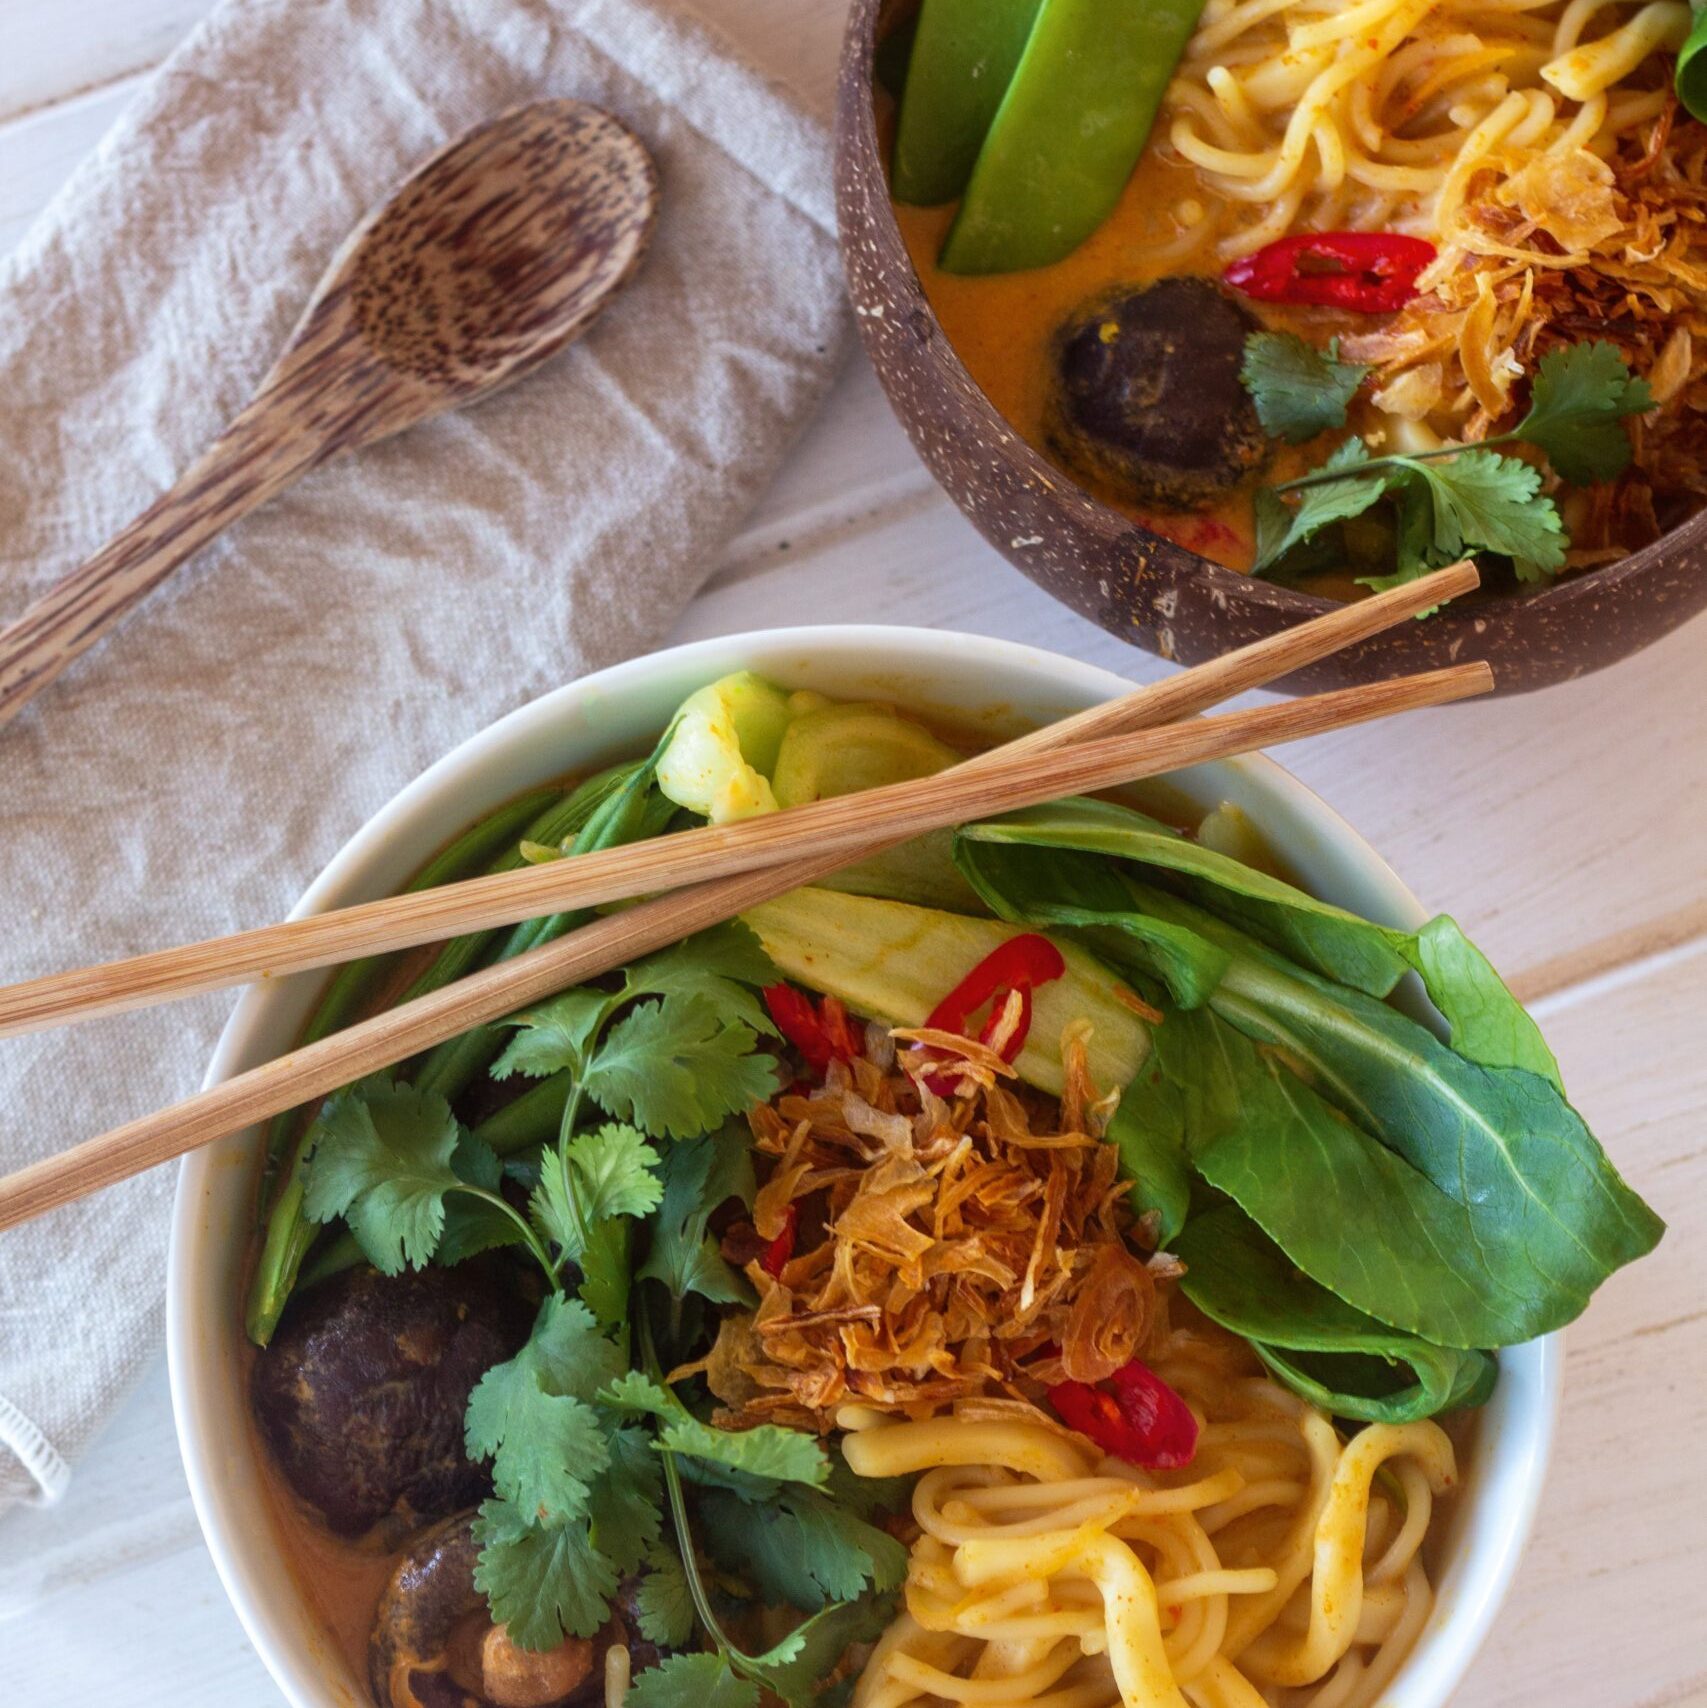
column 361, row 1394
column 1145, row 394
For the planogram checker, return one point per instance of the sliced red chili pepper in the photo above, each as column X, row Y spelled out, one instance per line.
column 1143, row 1421
column 1021, row 963
column 1018, row 964
column 821, row 1037
column 1366, row 272
column 781, row 1249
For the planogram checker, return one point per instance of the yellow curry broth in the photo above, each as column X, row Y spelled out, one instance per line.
column 1001, row 326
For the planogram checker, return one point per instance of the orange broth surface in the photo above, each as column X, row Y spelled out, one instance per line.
column 1002, row 324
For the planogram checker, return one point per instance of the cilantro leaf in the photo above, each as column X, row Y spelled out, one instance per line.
column 691, row 1681
column 798, row 1666
column 699, row 1176
column 600, row 1175
column 1331, row 501
column 473, row 1225
column 624, row 1505
column 676, row 1067
column 725, row 963
column 546, row 1443
column 799, row 1547
column 785, row 1455
column 1299, row 391
column 542, row 1580
column 1579, row 399
column 663, row 1604
column 1486, row 502
column 381, row 1158
column 555, row 1035
column 586, row 1196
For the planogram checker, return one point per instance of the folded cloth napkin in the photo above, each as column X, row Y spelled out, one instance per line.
column 191, row 774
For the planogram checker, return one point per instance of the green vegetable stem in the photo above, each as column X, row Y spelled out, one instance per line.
column 289, row 1234
column 962, row 60
column 1069, row 130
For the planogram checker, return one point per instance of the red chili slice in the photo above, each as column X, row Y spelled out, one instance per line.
column 781, row 1249
column 1365, row 272
column 1143, row 1421
column 821, row 1037
column 1019, row 964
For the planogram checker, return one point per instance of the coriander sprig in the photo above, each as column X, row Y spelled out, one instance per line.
column 1454, row 501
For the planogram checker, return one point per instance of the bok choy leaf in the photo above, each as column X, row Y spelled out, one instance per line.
column 1339, row 1358
column 1457, row 1199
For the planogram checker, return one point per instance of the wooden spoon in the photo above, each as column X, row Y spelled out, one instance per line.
column 497, row 253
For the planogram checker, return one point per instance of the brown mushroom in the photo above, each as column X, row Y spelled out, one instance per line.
column 1146, row 396
column 361, row 1394
column 434, row 1644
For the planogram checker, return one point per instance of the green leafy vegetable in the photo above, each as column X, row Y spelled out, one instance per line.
column 1577, row 405
column 677, row 1067
column 699, row 1176
column 1460, row 501
column 1326, row 502
column 589, row 1190
column 1347, row 1362
column 385, row 1157
column 543, row 1581
column 662, row 1604
column 1462, row 1200
column 1466, row 1204
column 691, row 1681
column 783, row 1455
column 533, row 1416
column 1299, row 391
column 1488, row 1024
column 801, row 1548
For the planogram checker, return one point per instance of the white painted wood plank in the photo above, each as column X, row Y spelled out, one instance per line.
column 50, row 53
column 38, row 153
column 1607, row 1611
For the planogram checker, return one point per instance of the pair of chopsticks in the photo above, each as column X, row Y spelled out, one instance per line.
column 695, row 879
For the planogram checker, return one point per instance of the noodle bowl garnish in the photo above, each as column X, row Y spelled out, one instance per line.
column 959, row 1245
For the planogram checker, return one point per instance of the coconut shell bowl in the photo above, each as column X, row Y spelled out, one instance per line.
column 1146, row 589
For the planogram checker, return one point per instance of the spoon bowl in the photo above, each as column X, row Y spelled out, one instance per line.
column 502, row 249
column 488, row 260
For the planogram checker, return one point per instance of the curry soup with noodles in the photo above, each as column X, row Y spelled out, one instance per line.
column 943, row 1284
column 1440, row 225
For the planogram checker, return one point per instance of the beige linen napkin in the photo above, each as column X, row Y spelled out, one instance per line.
column 191, row 774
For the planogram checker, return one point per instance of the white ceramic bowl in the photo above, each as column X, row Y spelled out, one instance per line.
column 616, row 714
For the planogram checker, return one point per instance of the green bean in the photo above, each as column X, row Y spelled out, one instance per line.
column 289, row 1234
column 351, row 982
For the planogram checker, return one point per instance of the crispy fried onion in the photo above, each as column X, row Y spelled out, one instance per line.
column 1547, row 250
column 974, row 1246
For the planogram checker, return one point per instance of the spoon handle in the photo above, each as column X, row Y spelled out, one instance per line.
column 258, row 455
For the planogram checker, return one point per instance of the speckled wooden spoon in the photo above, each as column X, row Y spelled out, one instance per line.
column 493, row 256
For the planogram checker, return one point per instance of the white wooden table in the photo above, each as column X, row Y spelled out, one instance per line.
column 1567, row 831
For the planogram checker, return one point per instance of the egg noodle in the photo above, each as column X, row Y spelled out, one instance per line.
column 1373, row 115
column 1283, row 1559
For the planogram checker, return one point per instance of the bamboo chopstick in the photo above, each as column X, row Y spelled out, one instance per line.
column 1000, row 780
column 488, row 995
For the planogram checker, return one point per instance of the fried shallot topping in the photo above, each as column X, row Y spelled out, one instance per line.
column 978, row 1244
column 1548, row 250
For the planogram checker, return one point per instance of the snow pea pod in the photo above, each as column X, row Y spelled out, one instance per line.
column 1069, row 130
column 963, row 59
